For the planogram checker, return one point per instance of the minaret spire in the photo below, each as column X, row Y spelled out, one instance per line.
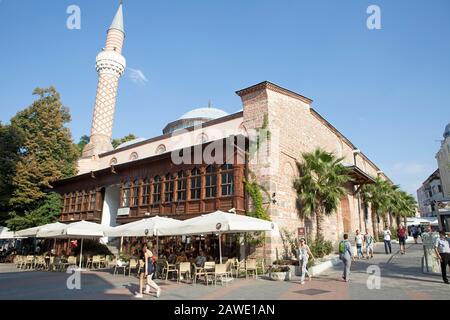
column 110, row 66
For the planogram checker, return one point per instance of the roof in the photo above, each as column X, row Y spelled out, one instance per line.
column 273, row 87
column 130, row 143
column 118, row 20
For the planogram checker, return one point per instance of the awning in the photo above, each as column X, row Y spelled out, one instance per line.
column 34, row 232
column 148, row 227
column 5, row 234
column 359, row 177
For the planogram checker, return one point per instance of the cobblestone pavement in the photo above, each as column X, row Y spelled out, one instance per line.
column 401, row 278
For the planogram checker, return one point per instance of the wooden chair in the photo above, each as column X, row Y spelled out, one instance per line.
column 72, row 261
column 197, row 273
column 96, row 260
column 111, row 262
column 241, row 266
column 184, row 269
column 103, row 262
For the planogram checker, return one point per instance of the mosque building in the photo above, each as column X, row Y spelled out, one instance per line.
column 146, row 177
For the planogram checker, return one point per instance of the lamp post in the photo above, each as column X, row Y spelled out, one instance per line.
column 355, row 153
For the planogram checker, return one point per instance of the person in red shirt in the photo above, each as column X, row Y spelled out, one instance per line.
column 402, row 234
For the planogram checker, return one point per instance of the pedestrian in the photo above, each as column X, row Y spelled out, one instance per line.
column 442, row 249
column 359, row 239
column 401, row 234
column 346, row 255
column 368, row 239
column 149, row 270
column 304, row 253
column 387, row 240
column 414, row 233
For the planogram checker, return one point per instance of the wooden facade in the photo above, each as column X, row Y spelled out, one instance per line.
column 156, row 186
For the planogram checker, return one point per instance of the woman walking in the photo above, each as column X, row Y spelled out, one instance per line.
column 149, row 270
column 304, row 253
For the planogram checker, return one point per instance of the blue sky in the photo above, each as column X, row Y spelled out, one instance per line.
column 387, row 90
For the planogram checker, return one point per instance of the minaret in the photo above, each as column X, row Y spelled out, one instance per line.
column 110, row 65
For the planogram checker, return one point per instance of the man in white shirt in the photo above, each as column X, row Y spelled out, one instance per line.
column 387, row 240
column 442, row 249
column 359, row 239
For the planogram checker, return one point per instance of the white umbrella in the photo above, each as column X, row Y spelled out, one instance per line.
column 155, row 226
column 220, row 222
column 81, row 229
column 33, row 232
column 5, row 234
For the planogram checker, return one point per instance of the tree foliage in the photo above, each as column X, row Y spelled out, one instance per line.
column 47, row 152
column 46, row 210
column 320, row 185
column 118, row 142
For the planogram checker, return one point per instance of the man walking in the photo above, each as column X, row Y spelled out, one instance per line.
column 442, row 249
column 387, row 240
column 402, row 235
column 359, row 239
column 368, row 239
column 346, row 254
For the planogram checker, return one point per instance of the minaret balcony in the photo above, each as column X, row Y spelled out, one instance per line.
column 110, row 61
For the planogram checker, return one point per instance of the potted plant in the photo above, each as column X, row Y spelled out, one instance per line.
column 280, row 273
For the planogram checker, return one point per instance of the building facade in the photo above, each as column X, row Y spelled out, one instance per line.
column 429, row 195
column 201, row 161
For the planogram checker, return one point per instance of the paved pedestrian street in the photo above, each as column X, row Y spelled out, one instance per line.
column 401, row 278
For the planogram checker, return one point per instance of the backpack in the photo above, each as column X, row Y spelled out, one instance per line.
column 341, row 247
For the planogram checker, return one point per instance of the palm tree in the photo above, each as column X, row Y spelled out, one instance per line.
column 377, row 195
column 405, row 206
column 320, row 185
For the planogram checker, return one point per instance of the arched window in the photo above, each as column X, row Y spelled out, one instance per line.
column 161, row 149
column 157, row 189
column 181, row 186
column 202, row 138
column 134, row 156
column 135, row 193
column 196, row 182
column 93, row 200
column 168, row 188
column 210, row 181
column 146, row 191
column 227, row 180
column 126, row 194
column 113, row 162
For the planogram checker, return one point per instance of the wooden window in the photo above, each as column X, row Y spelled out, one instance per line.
column 157, row 189
column 85, row 200
column 135, row 193
column 73, row 199
column 66, row 202
column 181, row 186
column 93, row 200
column 195, row 184
column 210, row 182
column 146, row 191
column 168, row 191
column 227, row 180
column 126, row 194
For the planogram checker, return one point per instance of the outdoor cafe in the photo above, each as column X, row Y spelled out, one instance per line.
column 202, row 249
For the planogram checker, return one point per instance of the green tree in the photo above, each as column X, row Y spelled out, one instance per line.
column 118, row 142
column 47, row 152
column 46, row 210
column 10, row 144
column 376, row 194
column 84, row 140
column 320, row 185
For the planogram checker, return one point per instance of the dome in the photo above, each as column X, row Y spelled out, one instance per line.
column 129, row 143
column 194, row 117
column 204, row 113
column 447, row 131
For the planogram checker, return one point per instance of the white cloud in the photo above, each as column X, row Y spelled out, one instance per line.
column 137, row 76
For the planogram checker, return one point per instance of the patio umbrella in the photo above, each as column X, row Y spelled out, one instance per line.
column 155, row 226
column 220, row 222
column 5, row 234
column 34, row 231
column 81, row 229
